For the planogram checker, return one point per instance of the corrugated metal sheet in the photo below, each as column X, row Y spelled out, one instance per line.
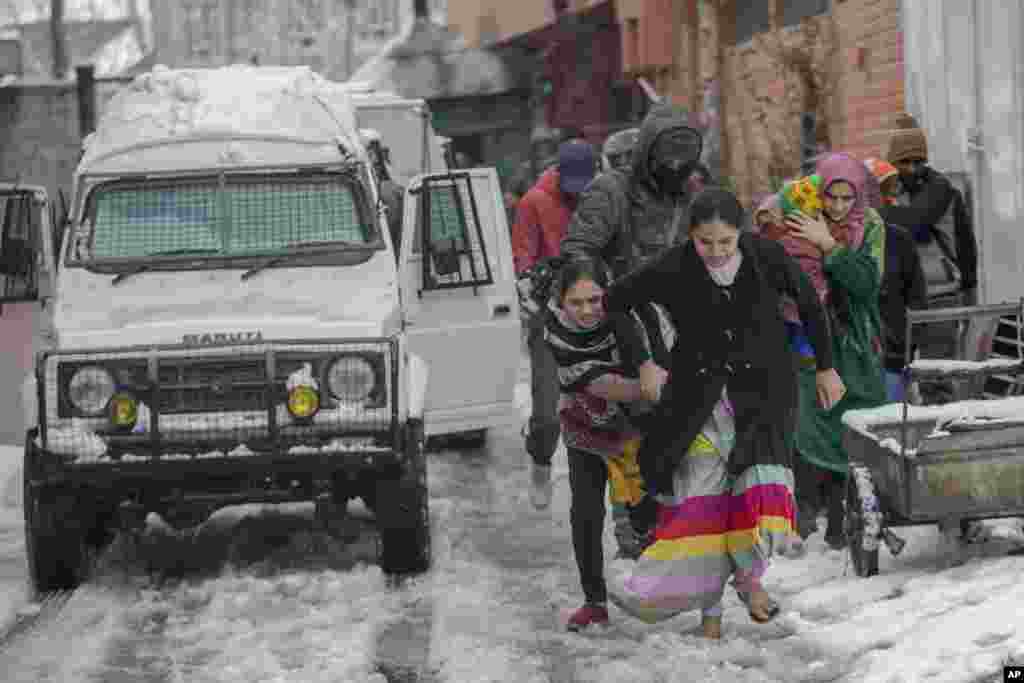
column 965, row 75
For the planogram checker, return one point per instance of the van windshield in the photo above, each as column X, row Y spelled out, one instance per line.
column 220, row 217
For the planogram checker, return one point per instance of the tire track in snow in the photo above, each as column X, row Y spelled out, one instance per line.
column 495, row 528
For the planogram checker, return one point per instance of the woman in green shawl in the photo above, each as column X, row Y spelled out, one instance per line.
column 851, row 238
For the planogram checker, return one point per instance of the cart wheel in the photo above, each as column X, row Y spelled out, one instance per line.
column 863, row 521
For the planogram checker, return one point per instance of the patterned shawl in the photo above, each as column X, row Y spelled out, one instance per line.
column 589, row 422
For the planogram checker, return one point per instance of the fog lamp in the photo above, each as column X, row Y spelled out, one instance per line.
column 124, row 410
column 303, row 401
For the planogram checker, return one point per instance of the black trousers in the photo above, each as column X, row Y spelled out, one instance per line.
column 543, row 428
column 588, row 477
column 817, row 487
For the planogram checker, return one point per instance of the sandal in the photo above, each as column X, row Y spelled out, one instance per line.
column 711, row 627
column 760, row 606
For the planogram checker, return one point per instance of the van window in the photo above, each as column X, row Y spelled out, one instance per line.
column 20, row 246
column 237, row 217
column 456, row 255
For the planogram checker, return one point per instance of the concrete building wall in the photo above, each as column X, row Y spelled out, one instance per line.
column 39, row 134
column 488, row 21
column 316, row 33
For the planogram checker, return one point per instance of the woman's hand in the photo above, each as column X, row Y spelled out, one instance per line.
column 652, row 380
column 814, row 230
column 830, row 388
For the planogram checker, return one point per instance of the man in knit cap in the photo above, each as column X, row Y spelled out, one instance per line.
column 935, row 213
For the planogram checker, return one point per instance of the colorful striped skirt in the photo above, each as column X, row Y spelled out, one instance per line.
column 714, row 526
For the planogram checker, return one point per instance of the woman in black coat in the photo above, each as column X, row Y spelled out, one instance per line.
column 723, row 288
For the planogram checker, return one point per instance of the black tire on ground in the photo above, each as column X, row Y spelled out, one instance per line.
column 475, row 438
column 459, row 441
column 55, row 539
column 403, row 517
column 859, row 510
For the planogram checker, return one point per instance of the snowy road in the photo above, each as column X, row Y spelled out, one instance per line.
column 262, row 599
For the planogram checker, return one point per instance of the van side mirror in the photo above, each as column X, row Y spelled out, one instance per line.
column 20, row 246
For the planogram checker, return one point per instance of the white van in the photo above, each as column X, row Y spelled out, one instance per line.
column 231, row 323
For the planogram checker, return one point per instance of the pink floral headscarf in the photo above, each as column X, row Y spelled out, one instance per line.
column 839, row 166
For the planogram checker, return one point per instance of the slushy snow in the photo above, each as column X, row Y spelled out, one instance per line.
column 502, row 583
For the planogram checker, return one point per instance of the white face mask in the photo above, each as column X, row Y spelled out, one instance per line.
column 725, row 274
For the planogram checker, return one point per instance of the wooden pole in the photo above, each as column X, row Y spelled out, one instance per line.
column 86, row 88
column 60, row 57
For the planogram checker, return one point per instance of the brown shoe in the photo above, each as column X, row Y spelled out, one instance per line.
column 760, row 605
column 711, row 627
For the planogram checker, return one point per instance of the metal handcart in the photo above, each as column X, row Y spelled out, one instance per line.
column 960, row 462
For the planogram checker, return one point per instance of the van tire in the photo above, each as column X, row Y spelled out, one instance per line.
column 469, row 440
column 55, row 539
column 472, row 439
column 402, row 510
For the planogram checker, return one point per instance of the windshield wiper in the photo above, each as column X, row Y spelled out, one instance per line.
column 120, row 277
column 297, row 246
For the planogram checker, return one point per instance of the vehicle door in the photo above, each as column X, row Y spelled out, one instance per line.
column 459, row 298
column 27, row 258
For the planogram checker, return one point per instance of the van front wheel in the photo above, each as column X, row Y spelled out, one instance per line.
column 402, row 508
column 56, row 546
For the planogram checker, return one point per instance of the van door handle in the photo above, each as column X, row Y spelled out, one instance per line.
column 502, row 309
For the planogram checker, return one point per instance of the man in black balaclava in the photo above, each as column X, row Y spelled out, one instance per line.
column 629, row 217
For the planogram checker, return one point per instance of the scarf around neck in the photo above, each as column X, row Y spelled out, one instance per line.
column 725, row 274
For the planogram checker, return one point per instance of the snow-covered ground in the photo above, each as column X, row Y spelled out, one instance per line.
column 12, row 536
column 493, row 606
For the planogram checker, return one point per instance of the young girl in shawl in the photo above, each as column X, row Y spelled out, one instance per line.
column 849, row 240
column 600, row 410
column 717, row 458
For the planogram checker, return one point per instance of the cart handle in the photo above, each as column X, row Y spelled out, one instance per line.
column 937, row 315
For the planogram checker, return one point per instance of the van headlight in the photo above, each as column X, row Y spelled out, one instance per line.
column 90, row 389
column 351, row 379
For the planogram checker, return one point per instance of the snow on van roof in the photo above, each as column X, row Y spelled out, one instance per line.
column 229, row 102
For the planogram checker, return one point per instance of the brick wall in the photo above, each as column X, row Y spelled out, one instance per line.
column 859, row 41
column 872, row 85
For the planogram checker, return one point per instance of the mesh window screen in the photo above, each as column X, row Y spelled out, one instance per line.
column 139, row 222
column 445, row 221
column 235, row 219
column 268, row 217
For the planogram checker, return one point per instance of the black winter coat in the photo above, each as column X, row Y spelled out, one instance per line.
column 928, row 205
column 624, row 218
column 903, row 287
column 728, row 336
